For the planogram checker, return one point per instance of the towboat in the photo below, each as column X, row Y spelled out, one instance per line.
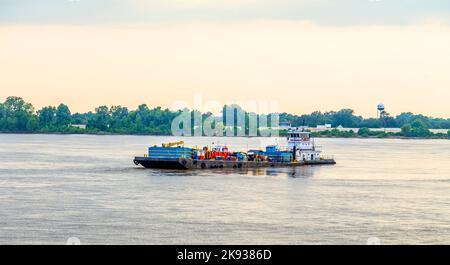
column 301, row 150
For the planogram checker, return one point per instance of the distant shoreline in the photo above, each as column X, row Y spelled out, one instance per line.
column 20, row 117
column 165, row 135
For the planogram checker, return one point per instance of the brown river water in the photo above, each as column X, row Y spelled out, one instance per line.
column 54, row 187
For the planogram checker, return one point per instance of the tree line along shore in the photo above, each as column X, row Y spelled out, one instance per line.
column 19, row 116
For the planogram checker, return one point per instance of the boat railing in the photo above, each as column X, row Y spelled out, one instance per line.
column 317, row 148
column 279, row 158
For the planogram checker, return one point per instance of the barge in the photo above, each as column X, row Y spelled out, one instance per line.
column 301, row 151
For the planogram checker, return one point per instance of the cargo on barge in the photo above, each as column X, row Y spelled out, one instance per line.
column 300, row 151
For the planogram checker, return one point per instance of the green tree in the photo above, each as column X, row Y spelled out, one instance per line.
column 139, row 126
column 364, row 132
column 406, row 130
column 47, row 116
column 16, row 114
column 417, row 123
column 346, row 118
column 15, row 104
column 63, row 115
column 419, row 129
column 32, row 124
column 81, row 118
column 100, row 120
column 119, row 120
column 2, row 116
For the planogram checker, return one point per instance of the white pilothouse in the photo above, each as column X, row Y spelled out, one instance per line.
column 302, row 145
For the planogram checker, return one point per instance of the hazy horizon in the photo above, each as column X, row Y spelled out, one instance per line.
column 305, row 55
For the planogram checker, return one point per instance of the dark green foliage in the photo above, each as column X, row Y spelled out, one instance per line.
column 336, row 133
column 16, row 115
column 47, row 116
column 347, row 119
column 364, row 132
column 100, row 120
column 406, row 130
column 417, row 128
column 63, row 115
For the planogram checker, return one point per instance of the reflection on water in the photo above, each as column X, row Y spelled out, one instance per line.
column 291, row 172
column 88, row 187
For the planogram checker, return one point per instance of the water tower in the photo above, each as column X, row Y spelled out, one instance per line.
column 382, row 114
column 380, row 110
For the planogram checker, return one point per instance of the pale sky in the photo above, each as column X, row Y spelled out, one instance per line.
column 306, row 55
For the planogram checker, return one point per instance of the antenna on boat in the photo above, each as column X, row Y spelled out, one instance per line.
column 314, row 143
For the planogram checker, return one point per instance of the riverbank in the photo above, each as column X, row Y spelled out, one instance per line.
column 407, row 132
column 19, row 116
column 316, row 135
column 386, row 137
